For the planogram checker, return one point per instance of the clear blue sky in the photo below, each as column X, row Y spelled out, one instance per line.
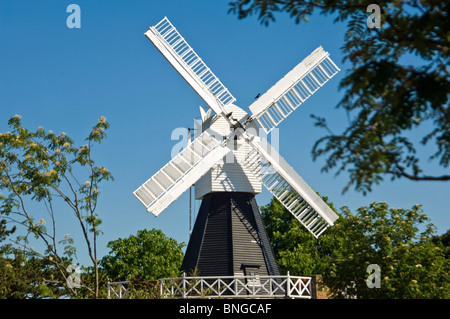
column 65, row 79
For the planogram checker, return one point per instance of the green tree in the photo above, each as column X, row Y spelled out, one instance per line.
column 24, row 274
column 397, row 240
column 444, row 241
column 39, row 168
column 148, row 255
column 394, row 106
column 89, row 278
column 400, row 243
column 296, row 250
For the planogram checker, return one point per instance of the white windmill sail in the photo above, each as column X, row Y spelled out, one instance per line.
column 158, row 192
column 191, row 67
column 289, row 188
column 293, row 89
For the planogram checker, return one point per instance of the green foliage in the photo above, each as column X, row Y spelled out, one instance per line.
column 4, row 232
column 144, row 289
column 413, row 263
column 412, row 266
column 386, row 97
column 149, row 255
column 25, row 275
column 296, row 250
column 89, row 278
column 38, row 167
column 444, row 242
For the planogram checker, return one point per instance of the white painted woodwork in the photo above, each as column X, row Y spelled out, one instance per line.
column 229, row 174
column 189, row 65
column 289, row 188
column 158, row 192
column 293, row 89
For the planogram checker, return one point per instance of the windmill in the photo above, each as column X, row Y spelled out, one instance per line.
column 228, row 162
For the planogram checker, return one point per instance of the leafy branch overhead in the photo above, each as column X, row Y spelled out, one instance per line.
column 396, row 89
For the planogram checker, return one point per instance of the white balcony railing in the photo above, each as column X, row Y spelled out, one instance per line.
column 226, row 287
column 117, row 290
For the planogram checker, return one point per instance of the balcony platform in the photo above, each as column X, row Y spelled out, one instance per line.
column 226, row 287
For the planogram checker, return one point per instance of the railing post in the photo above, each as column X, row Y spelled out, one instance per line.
column 288, row 285
column 184, row 285
column 270, row 286
column 310, row 288
column 109, row 290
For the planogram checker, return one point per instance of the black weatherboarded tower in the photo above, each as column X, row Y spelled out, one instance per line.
column 229, row 238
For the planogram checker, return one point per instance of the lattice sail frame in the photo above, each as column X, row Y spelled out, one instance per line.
column 289, row 188
column 160, row 190
column 184, row 59
column 293, row 89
